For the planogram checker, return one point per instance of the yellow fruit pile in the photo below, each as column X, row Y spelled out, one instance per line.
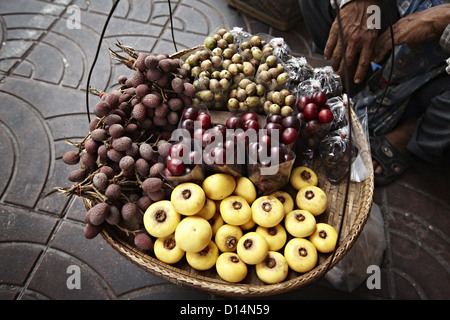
column 224, row 224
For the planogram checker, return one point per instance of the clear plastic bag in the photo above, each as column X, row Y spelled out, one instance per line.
column 239, row 35
column 340, row 112
column 299, row 69
column 333, row 147
column 307, row 88
column 330, row 82
column 368, row 250
column 280, row 49
column 334, row 150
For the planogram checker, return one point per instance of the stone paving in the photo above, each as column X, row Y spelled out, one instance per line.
column 44, row 63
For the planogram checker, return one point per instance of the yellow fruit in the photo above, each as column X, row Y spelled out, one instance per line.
column 235, row 210
column 273, row 269
column 193, row 234
column 286, row 199
column 300, row 254
column 300, row 223
column 312, row 199
column 248, row 225
column 275, row 236
column 252, row 248
column 216, row 222
column 267, row 211
column 302, row 177
column 167, row 250
column 204, row 259
column 230, row 267
column 246, row 189
column 324, row 238
column 161, row 219
column 219, row 186
column 208, row 210
column 227, row 237
column 188, row 198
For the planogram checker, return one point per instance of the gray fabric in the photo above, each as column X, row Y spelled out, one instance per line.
column 431, row 139
column 445, row 39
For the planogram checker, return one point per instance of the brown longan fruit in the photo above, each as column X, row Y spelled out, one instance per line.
column 122, row 143
column 71, row 157
column 151, row 185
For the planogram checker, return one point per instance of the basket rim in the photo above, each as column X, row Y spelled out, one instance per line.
column 221, row 287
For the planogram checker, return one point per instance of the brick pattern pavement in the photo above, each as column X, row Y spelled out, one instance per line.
column 43, row 71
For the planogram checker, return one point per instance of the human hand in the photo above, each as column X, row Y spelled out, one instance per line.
column 360, row 40
column 414, row 29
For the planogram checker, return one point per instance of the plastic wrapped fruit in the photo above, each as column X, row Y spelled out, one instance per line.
column 337, row 153
column 269, row 169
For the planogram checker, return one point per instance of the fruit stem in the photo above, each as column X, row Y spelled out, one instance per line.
column 322, row 234
column 270, row 262
column 305, row 175
column 272, row 231
column 302, row 252
column 186, row 194
column 266, row 206
column 248, row 243
column 169, row 243
column 160, row 216
column 309, row 194
column 231, row 242
column 234, row 259
column 237, row 205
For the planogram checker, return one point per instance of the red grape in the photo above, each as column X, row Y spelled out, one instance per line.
column 271, row 126
column 234, row 123
column 275, row 118
column 250, row 116
column 175, row 166
column 311, row 110
column 219, row 129
column 177, row 150
column 265, row 140
column 251, row 124
column 319, row 98
column 302, row 102
column 190, row 113
column 291, row 122
column 289, row 135
column 188, row 124
column 325, row 116
column 204, row 119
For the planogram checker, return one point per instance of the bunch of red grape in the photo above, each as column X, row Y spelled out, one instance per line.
column 122, row 157
column 316, row 117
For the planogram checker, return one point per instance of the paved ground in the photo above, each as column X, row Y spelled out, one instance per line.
column 44, row 64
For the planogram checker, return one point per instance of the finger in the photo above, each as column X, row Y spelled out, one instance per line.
column 363, row 63
column 382, row 47
column 337, row 55
column 331, row 42
column 352, row 52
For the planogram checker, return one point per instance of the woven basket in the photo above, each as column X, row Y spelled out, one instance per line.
column 357, row 208
column 280, row 14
